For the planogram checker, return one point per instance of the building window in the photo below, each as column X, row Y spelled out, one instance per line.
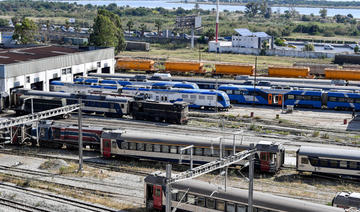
column 28, row 79
column 63, row 71
column 68, row 71
column 98, row 64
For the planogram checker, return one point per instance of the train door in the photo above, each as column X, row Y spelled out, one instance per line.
column 264, row 161
column 106, row 147
column 270, row 99
column 157, row 197
column 275, row 99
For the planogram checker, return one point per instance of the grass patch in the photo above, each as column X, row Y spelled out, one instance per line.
column 315, row 134
column 325, row 136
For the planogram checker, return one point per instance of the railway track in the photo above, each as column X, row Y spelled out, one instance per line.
column 51, row 197
column 18, row 206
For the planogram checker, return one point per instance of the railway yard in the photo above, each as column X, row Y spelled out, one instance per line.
column 45, row 179
column 103, row 141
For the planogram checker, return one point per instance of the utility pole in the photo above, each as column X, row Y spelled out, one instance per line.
column 254, row 93
column 251, row 180
column 168, row 192
column 80, row 136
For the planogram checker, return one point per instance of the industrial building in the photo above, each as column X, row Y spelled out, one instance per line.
column 243, row 38
column 35, row 67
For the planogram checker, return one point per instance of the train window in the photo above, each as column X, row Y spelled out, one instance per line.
column 157, row 192
column 149, row 147
column 122, row 105
column 191, row 199
column 315, row 98
column 229, row 91
column 241, row 208
column 173, row 149
column 230, row 207
column 216, row 153
column 343, row 164
column 290, row 97
column 304, row 161
column 166, row 98
column 165, row 148
column 210, row 97
column 181, row 196
column 314, row 161
column 237, row 92
column 162, row 98
column 56, row 133
column 198, row 151
column 298, row 97
column 157, row 98
column 124, row 145
column 157, row 147
column 174, row 196
column 210, row 203
column 184, row 96
column 140, row 147
column 341, row 99
column 352, row 165
column 332, row 99
column 132, row 146
column 220, row 98
column 202, row 97
column 192, row 96
column 220, row 205
column 324, row 163
column 307, row 97
column 200, row 201
column 334, row 163
column 350, row 100
column 207, row 152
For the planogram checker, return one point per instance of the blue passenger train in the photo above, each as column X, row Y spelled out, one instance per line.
column 337, row 100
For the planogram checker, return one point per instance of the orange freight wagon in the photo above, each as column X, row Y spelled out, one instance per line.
column 192, row 67
column 140, row 65
column 288, row 71
column 344, row 74
column 234, row 69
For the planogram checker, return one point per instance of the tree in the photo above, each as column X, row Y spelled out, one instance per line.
column 309, row 47
column 130, row 25
column 4, row 22
column 356, row 49
column 197, row 7
column 323, row 13
column 251, row 9
column 158, row 25
column 25, row 31
column 143, row 28
column 265, row 10
column 107, row 31
column 210, row 34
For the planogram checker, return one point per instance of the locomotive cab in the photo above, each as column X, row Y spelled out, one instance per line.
column 271, row 156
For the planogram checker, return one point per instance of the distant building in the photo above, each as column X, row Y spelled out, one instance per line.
column 244, row 38
column 35, row 67
column 247, row 39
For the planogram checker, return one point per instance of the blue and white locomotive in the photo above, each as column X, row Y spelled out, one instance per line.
column 197, row 98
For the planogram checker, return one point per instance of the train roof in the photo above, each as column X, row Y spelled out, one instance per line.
column 347, row 154
column 197, row 141
column 189, row 91
column 260, row 199
column 74, row 96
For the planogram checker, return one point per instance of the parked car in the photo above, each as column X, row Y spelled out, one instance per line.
column 328, row 47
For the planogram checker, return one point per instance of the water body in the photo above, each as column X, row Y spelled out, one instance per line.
column 170, row 5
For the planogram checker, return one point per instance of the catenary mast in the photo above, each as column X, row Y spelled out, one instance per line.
column 217, row 21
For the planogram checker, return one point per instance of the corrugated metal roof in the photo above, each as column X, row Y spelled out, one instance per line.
column 9, row 56
column 244, row 32
column 247, row 33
